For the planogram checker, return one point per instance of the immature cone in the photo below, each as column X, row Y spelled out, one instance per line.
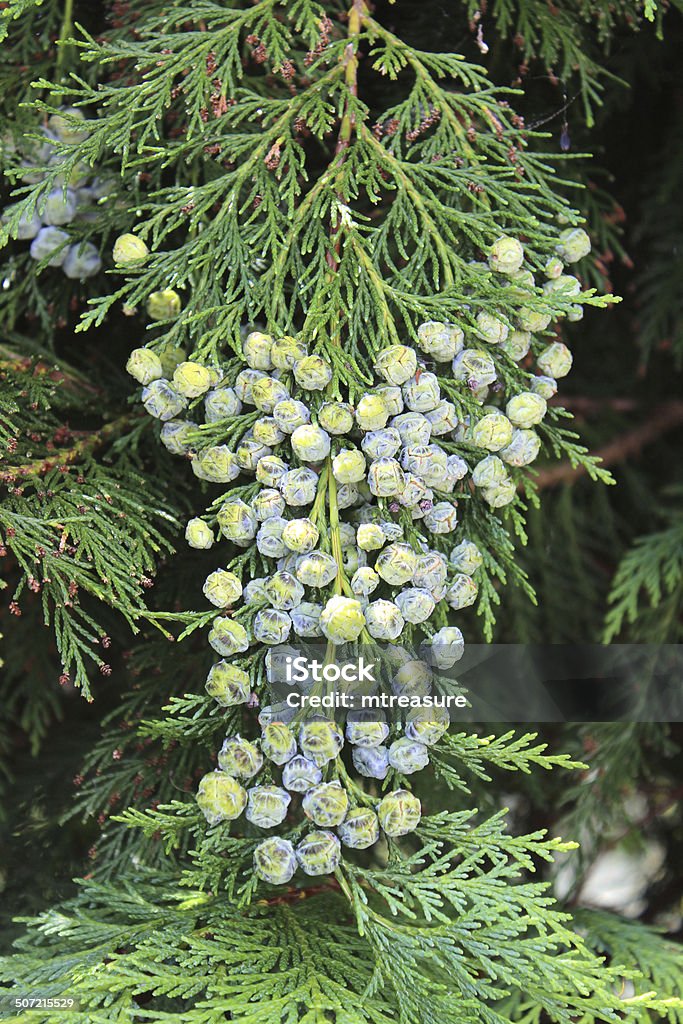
column 191, row 379
column 220, row 798
column 163, row 305
column 399, row 813
column 81, row 261
column 144, row 365
column 228, row 684
column 506, row 255
column 360, row 829
column 319, row 853
column 275, row 861
column 573, row 245
column 129, row 250
column 198, row 534
column 49, row 244
column 267, row 806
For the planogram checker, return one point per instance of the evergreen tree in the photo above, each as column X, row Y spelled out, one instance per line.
column 359, row 251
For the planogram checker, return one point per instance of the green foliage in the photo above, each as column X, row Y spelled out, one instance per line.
column 13, row 10
column 271, row 221
column 288, row 171
column 647, row 587
column 79, row 530
column 637, row 946
column 568, row 42
column 430, row 944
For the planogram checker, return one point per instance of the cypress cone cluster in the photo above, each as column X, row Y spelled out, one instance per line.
column 354, row 509
column 70, row 201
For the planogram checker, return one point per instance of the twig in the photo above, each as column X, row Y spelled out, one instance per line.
column 350, row 62
column 62, row 43
column 84, row 446
column 12, row 362
column 295, row 895
column 626, row 446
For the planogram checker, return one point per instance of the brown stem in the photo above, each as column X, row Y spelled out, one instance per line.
column 350, row 60
column 294, row 895
column 626, row 446
column 14, row 363
column 84, row 446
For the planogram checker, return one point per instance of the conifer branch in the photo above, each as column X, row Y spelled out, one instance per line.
column 262, row 189
column 88, row 442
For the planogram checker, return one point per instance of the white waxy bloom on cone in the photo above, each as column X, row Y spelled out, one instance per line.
column 396, row 564
column 370, row 537
column 298, row 486
column 493, row 432
column 256, row 349
column 462, row 591
column 222, row 588
column 228, row 637
column 301, row 535
column 422, row 393
column 317, row 569
column 267, row 392
column 313, row 373
column 199, row 534
column 413, row 428
column 441, row 518
column 384, row 620
column 416, row 604
column 268, row 503
column 336, row 417
column 244, row 384
column 290, row 414
column 385, row 478
column 506, row 255
column 523, row 448
column 446, row 647
column 237, row 522
column 439, row 340
column 555, row 360
column 272, row 626
column 269, row 540
column 526, row 409
column 573, row 245
column 397, row 364
column 191, row 379
column 286, row 352
column 220, row 798
column 221, row 404
column 381, row 444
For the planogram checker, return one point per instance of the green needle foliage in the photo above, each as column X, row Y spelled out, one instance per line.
column 650, row 573
column 81, row 532
column 338, row 175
